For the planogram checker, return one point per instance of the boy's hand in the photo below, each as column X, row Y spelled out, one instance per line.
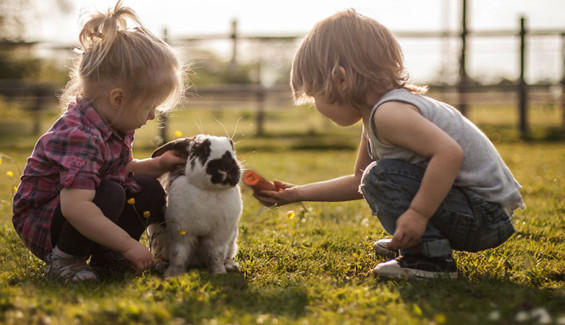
column 410, row 228
column 271, row 198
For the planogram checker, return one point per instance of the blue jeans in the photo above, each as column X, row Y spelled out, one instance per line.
column 464, row 221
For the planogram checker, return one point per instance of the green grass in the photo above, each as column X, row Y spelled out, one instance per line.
column 311, row 268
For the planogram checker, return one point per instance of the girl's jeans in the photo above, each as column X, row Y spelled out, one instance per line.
column 464, row 220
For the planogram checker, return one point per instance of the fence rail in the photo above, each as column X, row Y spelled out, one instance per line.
column 262, row 99
column 461, row 94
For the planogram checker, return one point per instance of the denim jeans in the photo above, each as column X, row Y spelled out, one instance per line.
column 464, row 221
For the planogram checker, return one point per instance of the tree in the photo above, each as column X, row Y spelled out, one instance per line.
column 15, row 15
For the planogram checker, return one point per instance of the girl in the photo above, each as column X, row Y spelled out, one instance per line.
column 433, row 179
column 82, row 194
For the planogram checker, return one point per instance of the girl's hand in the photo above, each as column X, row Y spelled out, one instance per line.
column 139, row 255
column 171, row 160
column 410, row 228
column 289, row 194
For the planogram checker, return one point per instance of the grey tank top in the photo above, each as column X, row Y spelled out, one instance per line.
column 482, row 170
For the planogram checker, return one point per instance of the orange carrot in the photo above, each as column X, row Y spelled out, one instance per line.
column 258, row 183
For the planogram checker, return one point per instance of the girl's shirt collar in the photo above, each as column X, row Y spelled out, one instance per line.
column 92, row 116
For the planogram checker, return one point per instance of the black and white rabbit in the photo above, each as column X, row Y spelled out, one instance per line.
column 203, row 209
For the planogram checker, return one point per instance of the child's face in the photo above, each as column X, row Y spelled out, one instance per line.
column 341, row 114
column 135, row 116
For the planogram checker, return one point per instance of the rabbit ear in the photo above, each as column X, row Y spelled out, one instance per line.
column 180, row 145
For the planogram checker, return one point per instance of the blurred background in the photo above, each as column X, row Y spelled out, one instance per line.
column 501, row 62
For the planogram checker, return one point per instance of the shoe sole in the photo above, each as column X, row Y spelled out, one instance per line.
column 413, row 273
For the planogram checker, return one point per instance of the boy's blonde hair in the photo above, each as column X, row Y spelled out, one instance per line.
column 368, row 53
column 113, row 55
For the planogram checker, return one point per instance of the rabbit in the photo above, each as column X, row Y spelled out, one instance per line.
column 203, row 208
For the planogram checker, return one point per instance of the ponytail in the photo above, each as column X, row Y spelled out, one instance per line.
column 112, row 54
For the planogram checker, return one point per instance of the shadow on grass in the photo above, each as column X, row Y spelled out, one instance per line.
column 230, row 294
column 479, row 300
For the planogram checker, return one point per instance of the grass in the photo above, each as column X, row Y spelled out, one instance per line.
column 310, row 266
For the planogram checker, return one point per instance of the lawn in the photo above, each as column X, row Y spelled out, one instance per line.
column 308, row 263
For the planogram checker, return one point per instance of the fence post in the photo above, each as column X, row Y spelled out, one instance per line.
column 260, row 110
column 41, row 94
column 522, row 86
column 463, row 80
column 563, row 81
column 234, row 38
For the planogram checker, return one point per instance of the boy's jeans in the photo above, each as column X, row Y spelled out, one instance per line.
column 464, row 220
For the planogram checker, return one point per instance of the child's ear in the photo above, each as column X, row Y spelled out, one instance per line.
column 340, row 77
column 116, row 98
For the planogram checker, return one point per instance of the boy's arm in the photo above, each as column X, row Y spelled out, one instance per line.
column 343, row 188
column 79, row 210
column 168, row 161
column 402, row 125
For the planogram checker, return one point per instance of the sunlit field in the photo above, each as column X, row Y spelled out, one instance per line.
column 308, row 263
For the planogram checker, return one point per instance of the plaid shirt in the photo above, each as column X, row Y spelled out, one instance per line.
column 77, row 152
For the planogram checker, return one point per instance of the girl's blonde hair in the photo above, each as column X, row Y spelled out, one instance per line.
column 113, row 55
column 348, row 46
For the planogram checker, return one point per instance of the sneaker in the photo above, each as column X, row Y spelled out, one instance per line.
column 73, row 269
column 418, row 267
column 380, row 248
column 108, row 262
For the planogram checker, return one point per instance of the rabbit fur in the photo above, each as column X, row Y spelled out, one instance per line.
column 203, row 207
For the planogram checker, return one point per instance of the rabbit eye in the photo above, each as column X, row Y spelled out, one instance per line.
column 224, row 170
column 200, row 151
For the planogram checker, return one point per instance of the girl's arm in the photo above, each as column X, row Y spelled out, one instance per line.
column 343, row 188
column 79, row 210
column 401, row 124
column 157, row 166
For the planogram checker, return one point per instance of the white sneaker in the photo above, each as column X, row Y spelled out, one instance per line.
column 418, row 267
column 380, row 248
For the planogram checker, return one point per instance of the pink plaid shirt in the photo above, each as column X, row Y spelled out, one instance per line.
column 77, row 152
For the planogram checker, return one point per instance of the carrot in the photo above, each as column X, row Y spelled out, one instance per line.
column 258, row 183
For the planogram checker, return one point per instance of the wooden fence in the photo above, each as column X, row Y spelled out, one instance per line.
column 460, row 95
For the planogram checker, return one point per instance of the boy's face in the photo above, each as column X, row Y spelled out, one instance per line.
column 341, row 114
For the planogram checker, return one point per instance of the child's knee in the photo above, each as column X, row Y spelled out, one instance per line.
column 151, row 188
column 110, row 198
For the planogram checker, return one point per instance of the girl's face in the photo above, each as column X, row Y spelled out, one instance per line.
column 135, row 115
column 341, row 114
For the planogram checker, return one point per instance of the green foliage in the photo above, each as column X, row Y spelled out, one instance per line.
column 308, row 264
column 16, row 68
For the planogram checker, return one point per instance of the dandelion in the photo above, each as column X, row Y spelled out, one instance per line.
column 0, row 160
column 290, row 214
column 15, row 189
column 10, row 173
column 182, row 232
column 440, row 318
column 131, row 201
column 178, row 134
column 146, row 214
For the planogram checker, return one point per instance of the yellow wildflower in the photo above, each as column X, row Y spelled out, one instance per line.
column 291, row 214
column 131, row 201
column 440, row 318
column 0, row 160
column 146, row 214
column 182, row 232
column 10, row 173
column 15, row 188
column 178, row 134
